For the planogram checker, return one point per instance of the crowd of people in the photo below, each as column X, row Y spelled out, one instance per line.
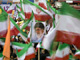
column 41, row 29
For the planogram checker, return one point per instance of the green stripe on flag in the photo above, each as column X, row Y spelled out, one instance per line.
column 18, row 44
column 3, row 15
column 24, row 34
column 2, row 39
column 24, row 50
column 56, row 11
column 47, row 5
column 27, row 22
column 62, row 46
column 66, row 9
column 1, row 55
column 21, row 2
column 17, row 6
column 53, row 22
column 19, row 14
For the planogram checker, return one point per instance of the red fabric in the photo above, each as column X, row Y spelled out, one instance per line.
column 38, row 17
column 13, row 31
column 78, row 56
column 64, row 58
column 10, row 11
column 28, row 15
column 48, row 58
column 28, row 28
column 68, row 37
column 28, row 40
column 42, row 5
column 30, row 56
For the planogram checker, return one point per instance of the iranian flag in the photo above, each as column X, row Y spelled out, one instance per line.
column 11, row 8
column 62, row 53
column 4, row 25
column 40, row 13
column 68, row 26
column 14, row 29
column 25, row 51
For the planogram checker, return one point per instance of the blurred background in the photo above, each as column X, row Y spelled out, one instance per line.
column 73, row 3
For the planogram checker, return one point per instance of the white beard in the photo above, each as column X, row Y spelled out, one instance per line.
column 39, row 35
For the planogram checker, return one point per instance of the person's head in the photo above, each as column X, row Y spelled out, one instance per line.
column 39, row 28
column 20, row 38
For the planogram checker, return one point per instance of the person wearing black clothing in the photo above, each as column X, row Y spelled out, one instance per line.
column 43, row 54
column 20, row 39
column 73, row 51
column 13, row 55
column 1, row 48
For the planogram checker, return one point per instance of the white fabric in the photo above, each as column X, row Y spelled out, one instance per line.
column 63, row 52
column 48, row 39
column 69, row 24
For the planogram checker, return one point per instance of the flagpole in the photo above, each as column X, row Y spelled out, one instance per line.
column 6, row 50
column 38, row 53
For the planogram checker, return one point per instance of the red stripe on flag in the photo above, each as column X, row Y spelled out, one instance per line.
column 28, row 15
column 13, row 31
column 48, row 58
column 63, row 58
column 42, row 5
column 38, row 17
column 42, row 17
column 30, row 56
column 10, row 11
column 77, row 55
column 68, row 37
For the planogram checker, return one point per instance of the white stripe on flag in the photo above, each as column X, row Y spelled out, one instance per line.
column 69, row 24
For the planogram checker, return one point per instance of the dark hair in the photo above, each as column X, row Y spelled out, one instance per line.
column 39, row 25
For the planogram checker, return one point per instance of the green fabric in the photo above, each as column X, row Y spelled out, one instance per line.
column 78, row 50
column 27, row 22
column 19, row 14
column 53, row 22
column 70, row 57
column 2, row 39
column 28, row 2
column 17, row 6
column 21, row 2
column 1, row 55
column 24, row 34
column 56, row 11
column 66, row 9
column 24, row 50
column 62, row 46
column 52, row 48
column 18, row 44
column 3, row 15
column 47, row 5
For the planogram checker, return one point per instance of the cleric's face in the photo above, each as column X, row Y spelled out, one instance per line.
column 39, row 30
